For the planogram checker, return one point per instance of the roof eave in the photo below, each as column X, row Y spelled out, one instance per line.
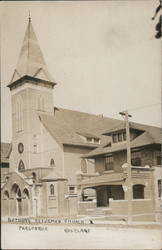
column 30, row 78
column 114, row 151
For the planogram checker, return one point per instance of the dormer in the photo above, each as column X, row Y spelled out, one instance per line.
column 118, row 134
column 89, row 138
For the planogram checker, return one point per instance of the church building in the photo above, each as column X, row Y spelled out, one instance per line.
column 57, row 154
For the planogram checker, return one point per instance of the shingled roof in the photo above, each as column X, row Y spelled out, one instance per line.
column 151, row 135
column 31, row 61
column 69, row 127
column 66, row 126
column 5, row 152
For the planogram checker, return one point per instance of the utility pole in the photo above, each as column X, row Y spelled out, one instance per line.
column 128, row 179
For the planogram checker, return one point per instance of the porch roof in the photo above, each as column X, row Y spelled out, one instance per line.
column 104, row 179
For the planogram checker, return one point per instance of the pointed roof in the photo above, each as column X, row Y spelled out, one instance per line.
column 31, row 61
column 53, row 176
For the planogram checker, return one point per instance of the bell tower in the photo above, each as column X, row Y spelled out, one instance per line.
column 31, row 89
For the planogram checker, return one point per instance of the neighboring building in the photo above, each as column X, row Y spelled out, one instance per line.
column 111, row 183
column 5, row 153
column 44, row 165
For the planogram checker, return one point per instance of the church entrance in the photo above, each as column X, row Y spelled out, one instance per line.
column 16, row 193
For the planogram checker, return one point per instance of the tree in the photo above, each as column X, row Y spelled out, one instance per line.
column 158, row 25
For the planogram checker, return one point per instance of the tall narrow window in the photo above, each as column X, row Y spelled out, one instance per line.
column 159, row 188
column 115, row 138
column 119, row 137
column 40, row 103
column 109, row 163
column 19, row 114
column 136, row 158
column 84, row 165
column 34, row 177
column 35, row 144
column 52, row 190
column 124, row 136
column 158, row 160
column 52, row 163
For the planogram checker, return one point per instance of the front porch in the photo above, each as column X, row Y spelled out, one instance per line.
column 111, row 195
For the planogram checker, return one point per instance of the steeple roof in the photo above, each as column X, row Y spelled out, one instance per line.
column 31, row 61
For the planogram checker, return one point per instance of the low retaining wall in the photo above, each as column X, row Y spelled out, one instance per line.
column 139, row 206
column 84, row 205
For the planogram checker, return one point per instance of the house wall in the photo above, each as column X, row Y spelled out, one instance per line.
column 148, row 157
column 157, row 176
column 72, row 162
column 141, row 209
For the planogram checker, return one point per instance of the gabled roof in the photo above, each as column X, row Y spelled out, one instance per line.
column 5, row 151
column 66, row 126
column 22, row 177
column 53, row 176
column 121, row 127
column 31, row 61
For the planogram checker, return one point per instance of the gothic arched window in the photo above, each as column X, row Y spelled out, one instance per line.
column 52, row 190
column 52, row 163
column 21, row 166
column 6, row 194
column 19, row 114
column 40, row 103
column 26, row 193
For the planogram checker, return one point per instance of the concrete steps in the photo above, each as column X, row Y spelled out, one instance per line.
column 99, row 211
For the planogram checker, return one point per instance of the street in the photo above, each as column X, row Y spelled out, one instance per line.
column 24, row 236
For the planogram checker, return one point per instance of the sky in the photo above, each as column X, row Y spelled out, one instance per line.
column 102, row 54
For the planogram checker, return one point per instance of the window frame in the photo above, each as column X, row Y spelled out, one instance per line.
column 71, row 189
column 109, row 163
column 52, row 163
column 21, row 166
column 52, row 190
column 158, row 162
column 138, row 194
column 159, row 183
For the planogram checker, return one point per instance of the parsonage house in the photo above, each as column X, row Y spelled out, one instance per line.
column 66, row 163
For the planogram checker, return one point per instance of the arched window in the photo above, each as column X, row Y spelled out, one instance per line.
column 52, row 190
column 19, row 114
column 6, row 194
column 84, row 165
column 21, row 166
column 52, row 163
column 26, row 193
column 138, row 191
column 40, row 103
column 6, row 178
column 15, row 190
